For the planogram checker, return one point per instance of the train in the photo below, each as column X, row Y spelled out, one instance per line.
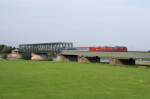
column 109, row 49
column 100, row 49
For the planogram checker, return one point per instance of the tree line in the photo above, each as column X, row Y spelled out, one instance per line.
column 4, row 49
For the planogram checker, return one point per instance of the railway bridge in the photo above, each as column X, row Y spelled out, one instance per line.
column 42, row 50
column 127, row 58
column 45, row 47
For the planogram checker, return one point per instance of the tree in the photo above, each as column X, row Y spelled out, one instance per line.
column 1, row 47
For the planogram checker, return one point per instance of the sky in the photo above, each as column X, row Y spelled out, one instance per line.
column 83, row 22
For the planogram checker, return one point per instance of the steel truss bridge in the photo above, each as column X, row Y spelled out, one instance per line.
column 45, row 47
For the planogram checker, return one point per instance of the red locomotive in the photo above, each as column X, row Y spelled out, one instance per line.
column 108, row 49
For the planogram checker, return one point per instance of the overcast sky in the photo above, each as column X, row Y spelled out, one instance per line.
column 84, row 22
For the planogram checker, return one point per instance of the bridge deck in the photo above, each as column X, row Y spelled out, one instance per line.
column 121, row 55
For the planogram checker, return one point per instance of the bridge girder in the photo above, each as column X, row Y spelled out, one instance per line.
column 45, row 47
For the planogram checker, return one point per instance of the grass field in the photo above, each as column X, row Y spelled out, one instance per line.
column 49, row 80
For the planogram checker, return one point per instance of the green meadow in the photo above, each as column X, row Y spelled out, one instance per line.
column 52, row 80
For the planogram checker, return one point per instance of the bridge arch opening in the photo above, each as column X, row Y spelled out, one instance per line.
column 73, row 58
column 129, row 61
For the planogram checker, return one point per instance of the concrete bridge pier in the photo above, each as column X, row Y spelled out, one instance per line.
column 35, row 56
column 83, row 60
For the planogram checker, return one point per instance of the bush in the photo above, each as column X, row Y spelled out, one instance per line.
column 4, row 56
column 50, row 59
column 26, row 55
column 51, row 55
